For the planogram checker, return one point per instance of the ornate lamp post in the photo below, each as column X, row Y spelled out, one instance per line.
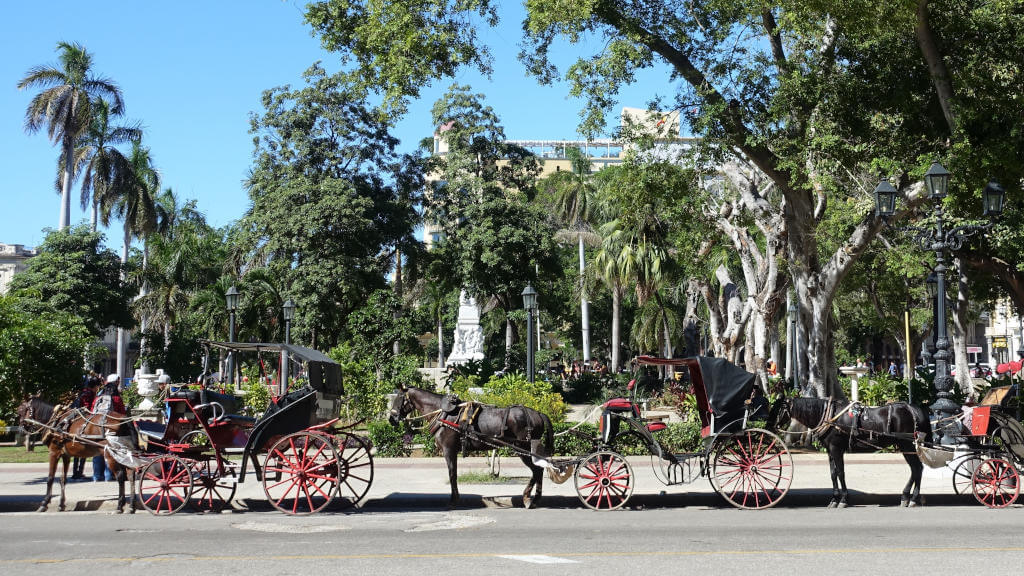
column 288, row 308
column 231, row 296
column 530, row 304
column 940, row 240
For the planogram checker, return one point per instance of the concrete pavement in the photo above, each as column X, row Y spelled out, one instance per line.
column 422, row 483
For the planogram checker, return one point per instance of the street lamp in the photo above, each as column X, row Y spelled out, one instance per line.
column 530, row 304
column 940, row 240
column 288, row 308
column 231, row 296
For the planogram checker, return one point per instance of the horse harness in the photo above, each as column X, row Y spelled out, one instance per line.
column 461, row 416
column 855, row 411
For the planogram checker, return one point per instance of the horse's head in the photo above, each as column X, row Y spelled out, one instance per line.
column 32, row 411
column 400, row 406
column 779, row 413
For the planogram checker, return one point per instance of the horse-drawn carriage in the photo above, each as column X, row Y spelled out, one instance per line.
column 749, row 467
column 201, row 451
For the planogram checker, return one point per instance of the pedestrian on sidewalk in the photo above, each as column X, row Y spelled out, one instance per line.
column 85, row 399
column 108, row 400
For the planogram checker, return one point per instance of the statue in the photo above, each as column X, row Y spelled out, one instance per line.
column 469, row 338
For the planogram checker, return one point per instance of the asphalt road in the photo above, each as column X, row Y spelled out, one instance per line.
column 947, row 539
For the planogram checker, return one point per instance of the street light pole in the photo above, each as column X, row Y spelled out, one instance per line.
column 231, row 297
column 530, row 304
column 939, row 240
column 289, row 312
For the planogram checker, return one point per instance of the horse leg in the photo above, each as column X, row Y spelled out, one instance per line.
column 64, row 458
column 916, row 471
column 835, row 482
column 536, row 479
column 841, row 472
column 451, row 454
column 49, row 482
column 119, row 474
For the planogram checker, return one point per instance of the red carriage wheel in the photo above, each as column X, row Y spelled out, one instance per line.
column 996, row 483
column 212, row 491
column 356, row 468
column 963, row 474
column 604, row 481
column 301, row 473
column 752, row 469
column 165, row 485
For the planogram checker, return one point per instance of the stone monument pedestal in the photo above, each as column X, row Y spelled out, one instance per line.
column 469, row 337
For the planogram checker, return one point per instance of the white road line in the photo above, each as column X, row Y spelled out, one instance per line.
column 539, row 559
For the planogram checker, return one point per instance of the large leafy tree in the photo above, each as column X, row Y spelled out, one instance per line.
column 327, row 200
column 74, row 273
column 64, row 107
column 820, row 98
column 41, row 350
column 495, row 237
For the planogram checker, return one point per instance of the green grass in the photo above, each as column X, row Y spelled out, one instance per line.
column 487, row 478
column 18, row 455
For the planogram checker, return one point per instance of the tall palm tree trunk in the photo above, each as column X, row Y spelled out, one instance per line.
column 584, row 305
column 65, row 189
column 440, row 343
column 616, row 309
column 122, row 334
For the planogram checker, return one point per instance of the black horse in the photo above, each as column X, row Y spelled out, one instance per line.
column 843, row 426
column 519, row 426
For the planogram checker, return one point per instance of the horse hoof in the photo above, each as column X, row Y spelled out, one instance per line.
column 119, row 511
column 41, row 509
column 61, row 508
column 527, row 503
column 832, row 504
column 912, row 504
column 842, row 505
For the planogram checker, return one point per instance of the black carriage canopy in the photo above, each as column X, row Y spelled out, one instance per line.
column 324, row 373
column 727, row 385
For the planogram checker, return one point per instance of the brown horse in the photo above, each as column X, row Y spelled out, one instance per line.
column 74, row 433
column 519, row 426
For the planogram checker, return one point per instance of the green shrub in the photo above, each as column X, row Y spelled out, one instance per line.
column 677, row 438
column 389, row 441
column 257, row 396
column 513, row 389
column 427, row 441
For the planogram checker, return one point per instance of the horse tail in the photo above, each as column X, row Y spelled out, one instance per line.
column 549, row 435
column 922, row 421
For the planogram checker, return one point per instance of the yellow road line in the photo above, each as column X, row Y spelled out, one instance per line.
column 684, row 553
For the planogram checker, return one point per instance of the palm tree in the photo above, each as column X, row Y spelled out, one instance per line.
column 574, row 197
column 97, row 159
column 64, row 107
column 131, row 199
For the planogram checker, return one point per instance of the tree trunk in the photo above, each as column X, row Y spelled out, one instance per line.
column 122, row 334
column 509, row 338
column 396, row 346
column 68, row 178
column 961, row 313
column 616, row 337
column 440, row 343
column 144, row 320
column 584, row 305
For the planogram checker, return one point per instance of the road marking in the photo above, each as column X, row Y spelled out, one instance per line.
column 539, row 559
column 453, row 522
column 283, row 528
column 623, row 554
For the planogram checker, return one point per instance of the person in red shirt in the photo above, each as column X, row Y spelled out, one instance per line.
column 109, row 399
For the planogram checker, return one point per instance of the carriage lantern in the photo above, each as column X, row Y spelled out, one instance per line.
column 940, row 240
column 530, row 304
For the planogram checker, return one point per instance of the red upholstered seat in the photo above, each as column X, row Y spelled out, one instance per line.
column 621, row 405
column 656, row 426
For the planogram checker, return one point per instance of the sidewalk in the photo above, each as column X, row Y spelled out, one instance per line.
column 422, row 483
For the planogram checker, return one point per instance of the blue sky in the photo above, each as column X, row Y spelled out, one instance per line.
column 192, row 71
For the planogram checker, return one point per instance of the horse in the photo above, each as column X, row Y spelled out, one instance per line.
column 525, row 428
column 843, row 426
column 75, row 433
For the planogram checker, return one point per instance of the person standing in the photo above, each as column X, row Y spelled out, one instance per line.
column 108, row 400
column 85, row 399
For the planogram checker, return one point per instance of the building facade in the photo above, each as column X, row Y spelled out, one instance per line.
column 13, row 259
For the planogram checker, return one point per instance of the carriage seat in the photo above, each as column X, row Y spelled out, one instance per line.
column 150, row 429
column 239, row 420
column 621, row 405
column 656, row 426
